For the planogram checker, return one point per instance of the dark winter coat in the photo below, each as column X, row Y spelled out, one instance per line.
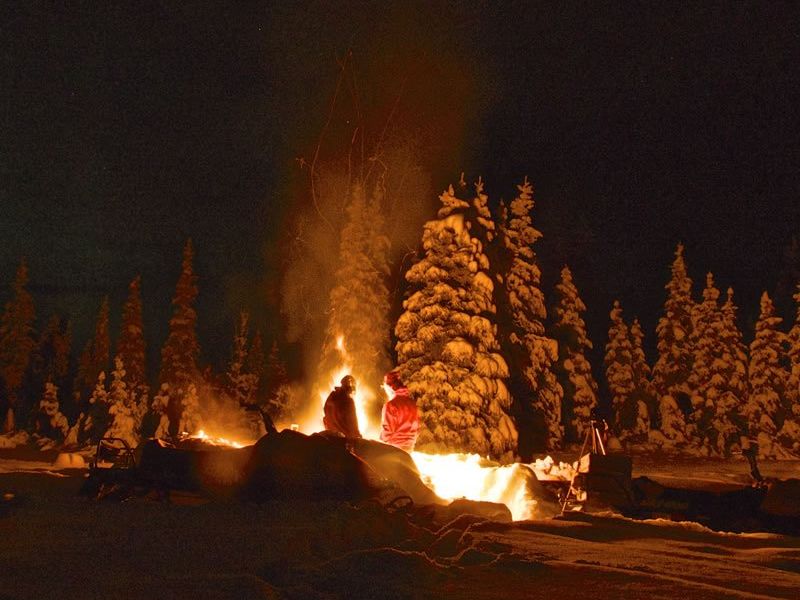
column 340, row 414
column 400, row 421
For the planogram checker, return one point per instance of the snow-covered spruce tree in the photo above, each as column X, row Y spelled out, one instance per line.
column 181, row 349
column 50, row 422
column 736, row 377
column 768, row 379
column 642, row 402
column 17, row 341
column 580, row 388
column 131, row 347
column 674, row 329
column 94, row 359
column 789, row 434
column 189, row 418
column 96, row 420
column 446, row 342
column 241, row 384
column 124, row 411
column 359, row 299
column 619, row 369
column 714, row 401
column 530, row 351
column 51, row 361
column 159, row 414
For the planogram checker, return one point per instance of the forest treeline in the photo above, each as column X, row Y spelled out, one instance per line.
column 493, row 371
column 73, row 400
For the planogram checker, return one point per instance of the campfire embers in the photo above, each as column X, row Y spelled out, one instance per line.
column 201, row 439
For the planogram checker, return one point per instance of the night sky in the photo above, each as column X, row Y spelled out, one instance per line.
column 126, row 129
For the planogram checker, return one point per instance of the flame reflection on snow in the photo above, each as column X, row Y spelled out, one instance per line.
column 454, row 476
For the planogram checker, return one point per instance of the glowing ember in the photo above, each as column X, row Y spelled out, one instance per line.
column 217, row 441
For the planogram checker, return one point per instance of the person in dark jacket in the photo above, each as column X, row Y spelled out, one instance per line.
column 399, row 417
column 340, row 409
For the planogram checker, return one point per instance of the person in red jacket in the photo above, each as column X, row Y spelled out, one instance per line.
column 399, row 418
column 340, row 409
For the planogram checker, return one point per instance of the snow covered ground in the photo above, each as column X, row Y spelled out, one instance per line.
column 55, row 544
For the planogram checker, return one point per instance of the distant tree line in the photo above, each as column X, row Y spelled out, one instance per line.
column 493, row 371
column 72, row 402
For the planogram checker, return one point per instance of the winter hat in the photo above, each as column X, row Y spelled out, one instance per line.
column 392, row 379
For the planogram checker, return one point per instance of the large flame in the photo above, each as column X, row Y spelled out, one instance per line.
column 364, row 394
column 451, row 476
column 454, row 476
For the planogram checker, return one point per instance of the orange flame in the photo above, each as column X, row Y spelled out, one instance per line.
column 217, row 441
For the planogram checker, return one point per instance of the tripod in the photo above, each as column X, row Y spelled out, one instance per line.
column 594, row 436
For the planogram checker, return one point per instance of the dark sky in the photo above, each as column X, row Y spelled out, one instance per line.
column 126, row 129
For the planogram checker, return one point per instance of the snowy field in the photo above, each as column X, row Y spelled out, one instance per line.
column 55, row 544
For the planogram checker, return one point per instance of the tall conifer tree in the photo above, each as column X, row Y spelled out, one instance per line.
column 131, row 347
column 447, row 350
column 768, row 380
column 641, row 405
column 580, row 388
column 181, row 349
column 789, row 435
column 241, row 383
column 359, row 300
column 531, row 351
column 674, row 365
column 17, row 341
column 619, row 366
column 94, row 359
column 715, row 379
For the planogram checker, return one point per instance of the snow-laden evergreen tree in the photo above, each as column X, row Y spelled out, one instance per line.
column 446, row 345
column 94, row 359
column 159, row 412
column 674, row 365
column 95, row 421
column 789, row 431
column 181, row 349
column 189, row 420
column 642, row 402
column 712, row 423
column 242, row 384
column 531, row 352
column 580, row 388
column 123, row 410
column 789, row 434
column 51, row 361
column 619, row 368
column 736, row 376
column 17, row 341
column 768, row 379
column 673, row 423
column 359, row 300
column 50, row 422
column 131, row 347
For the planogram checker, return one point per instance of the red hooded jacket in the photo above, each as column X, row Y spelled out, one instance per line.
column 400, row 421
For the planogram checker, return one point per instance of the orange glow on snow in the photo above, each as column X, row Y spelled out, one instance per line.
column 454, row 476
